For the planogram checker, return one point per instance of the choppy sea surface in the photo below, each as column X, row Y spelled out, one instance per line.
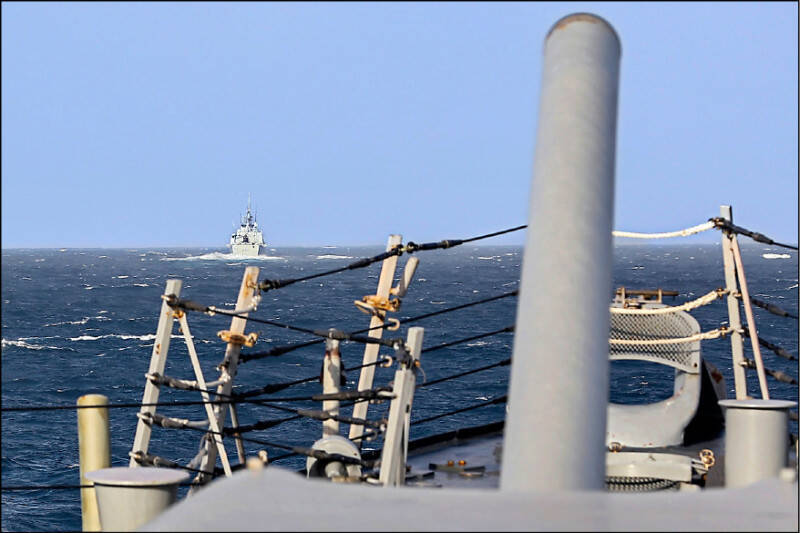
column 80, row 321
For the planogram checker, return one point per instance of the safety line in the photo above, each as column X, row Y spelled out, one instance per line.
column 680, row 233
column 280, row 350
column 504, row 362
column 499, row 399
column 727, row 225
column 687, row 306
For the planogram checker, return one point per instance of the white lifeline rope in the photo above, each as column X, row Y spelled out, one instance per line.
column 713, row 334
column 688, row 306
column 680, row 233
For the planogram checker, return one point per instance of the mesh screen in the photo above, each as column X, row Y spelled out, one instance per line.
column 684, row 356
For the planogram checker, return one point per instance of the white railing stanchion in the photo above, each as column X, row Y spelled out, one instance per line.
column 395, row 447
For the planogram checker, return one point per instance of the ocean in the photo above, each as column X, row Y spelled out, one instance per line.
column 80, row 321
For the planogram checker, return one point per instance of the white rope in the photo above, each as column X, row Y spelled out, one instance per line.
column 713, row 334
column 688, row 306
column 680, row 233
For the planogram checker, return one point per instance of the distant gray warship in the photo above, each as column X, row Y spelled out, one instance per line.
column 248, row 239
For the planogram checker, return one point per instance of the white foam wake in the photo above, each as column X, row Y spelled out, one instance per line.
column 333, row 256
column 776, row 256
column 218, row 256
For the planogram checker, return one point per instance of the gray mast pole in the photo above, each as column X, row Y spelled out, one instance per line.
column 558, row 392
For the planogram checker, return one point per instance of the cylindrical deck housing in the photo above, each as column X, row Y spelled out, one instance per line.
column 130, row 497
column 756, row 439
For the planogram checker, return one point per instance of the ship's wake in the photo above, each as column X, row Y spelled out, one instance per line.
column 218, row 256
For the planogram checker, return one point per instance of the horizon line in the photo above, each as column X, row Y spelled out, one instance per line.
column 657, row 242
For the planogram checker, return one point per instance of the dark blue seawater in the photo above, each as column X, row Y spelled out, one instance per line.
column 82, row 321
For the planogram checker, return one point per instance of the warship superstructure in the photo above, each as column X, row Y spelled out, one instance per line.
column 248, row 239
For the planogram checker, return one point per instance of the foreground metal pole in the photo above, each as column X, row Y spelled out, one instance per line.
column 756, row 439
column 558, row 395
column 94, row 445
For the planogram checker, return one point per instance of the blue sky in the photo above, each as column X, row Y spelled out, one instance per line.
column 146, row 124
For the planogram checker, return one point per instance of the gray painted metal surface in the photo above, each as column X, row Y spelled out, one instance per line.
column 659, row 423
column 130, row 497
column 756, row 443
column 275, row 499
column 558, row 388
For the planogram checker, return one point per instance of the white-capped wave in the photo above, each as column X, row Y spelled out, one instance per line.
column 141, row 285
column 489, row 257
column 333, row 256
column 80, row 322
column 120, row 277
column 22, row 344
column 148, row 337
column 477, row 343
column 217, row 256
column 776, row 256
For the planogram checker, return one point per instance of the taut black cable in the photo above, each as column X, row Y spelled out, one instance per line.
column 398, row 250
column 412, row 247
column 189, row 305
column 275, row 387
column 724, row 224
column 772, row 308
column 499, row 399
column 504, row 362
column 302, row 450
column 280, row 350
column 506, row 329
column 278, row 283
column 365, row 435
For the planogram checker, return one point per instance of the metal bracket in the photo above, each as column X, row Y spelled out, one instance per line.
column 237, row 338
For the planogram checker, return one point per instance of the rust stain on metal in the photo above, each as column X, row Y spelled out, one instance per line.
column 583, row 17
column 158, row 349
